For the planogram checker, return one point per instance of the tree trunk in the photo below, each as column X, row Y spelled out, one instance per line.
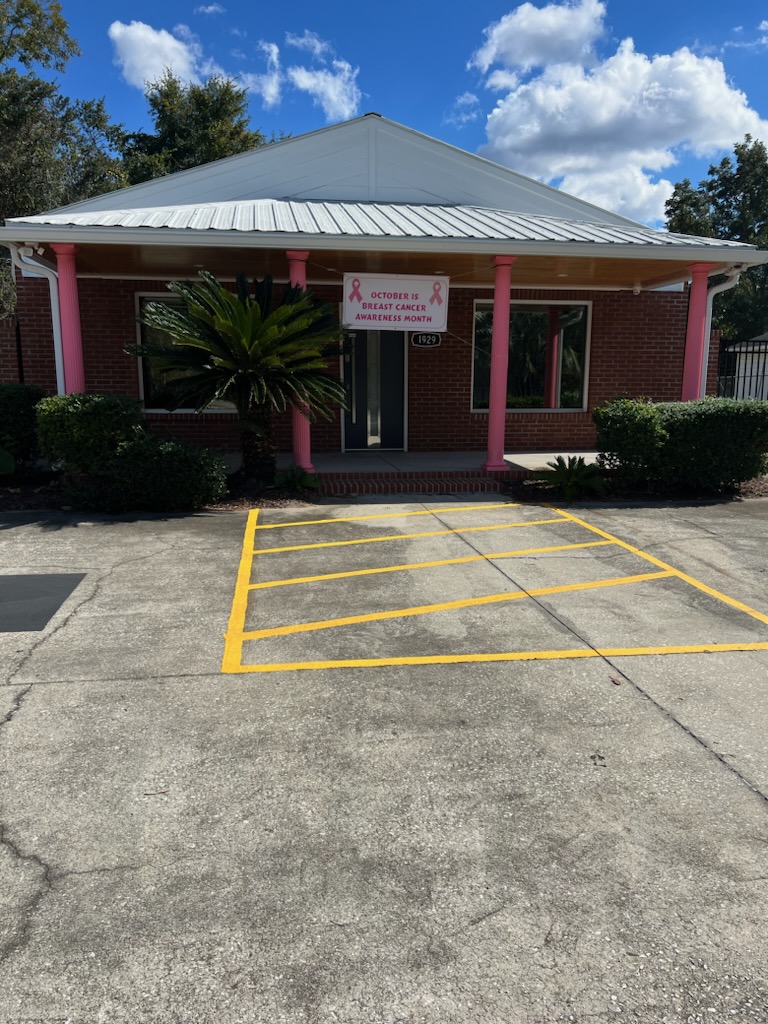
column 257, row 446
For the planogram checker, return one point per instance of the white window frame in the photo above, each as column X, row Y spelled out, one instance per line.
column 483, row 304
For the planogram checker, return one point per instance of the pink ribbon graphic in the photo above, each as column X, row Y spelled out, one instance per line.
column 435, row 297
column 356, row 290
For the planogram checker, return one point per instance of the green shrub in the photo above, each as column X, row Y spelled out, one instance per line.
column 713, row 444
column 704, row 446
column 81, row 433
column 18, row 435
column 295, row 480
column 630, row 437
column 151, row 474
column 573, row 478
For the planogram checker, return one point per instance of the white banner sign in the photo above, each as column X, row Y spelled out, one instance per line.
column 397, row 302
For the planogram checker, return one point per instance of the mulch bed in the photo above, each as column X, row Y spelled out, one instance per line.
column 44, row 493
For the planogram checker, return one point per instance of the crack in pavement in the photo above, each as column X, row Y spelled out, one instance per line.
column 666, row 712
column 96, row 588
column 27, row 911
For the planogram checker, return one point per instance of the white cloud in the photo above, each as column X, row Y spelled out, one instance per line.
column 465, row 109
column 531, row 37
column 269, row 84
column 309, row 41
column 144, row 53
column 211, row 9
column 606, row 129
column 335, row 91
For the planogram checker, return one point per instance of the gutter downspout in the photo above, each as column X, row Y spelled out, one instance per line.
column 732, row 275
column 21, row 256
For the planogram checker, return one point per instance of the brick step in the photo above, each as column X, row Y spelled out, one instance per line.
column 427, row 482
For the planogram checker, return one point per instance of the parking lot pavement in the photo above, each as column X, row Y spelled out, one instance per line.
column 434, row 773
column 486, row 582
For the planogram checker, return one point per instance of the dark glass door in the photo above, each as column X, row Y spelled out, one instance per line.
column 374, row 373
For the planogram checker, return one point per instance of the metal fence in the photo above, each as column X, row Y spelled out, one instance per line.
column 743, row 370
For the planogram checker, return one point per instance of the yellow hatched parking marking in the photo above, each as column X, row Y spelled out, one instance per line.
column 405, row 536
column 233, row 639
column 447, row 606
column 426, row 565
column 387, row 515
column 467, row 659
column 236, row 635
column 739, row 605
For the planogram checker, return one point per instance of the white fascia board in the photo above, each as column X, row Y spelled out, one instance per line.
column 217, row 239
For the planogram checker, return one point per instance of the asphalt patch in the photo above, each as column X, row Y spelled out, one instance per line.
column 27, row 603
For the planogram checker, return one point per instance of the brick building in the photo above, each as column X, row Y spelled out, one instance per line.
column 553, row 306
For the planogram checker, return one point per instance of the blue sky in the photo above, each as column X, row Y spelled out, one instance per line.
column 609, row 100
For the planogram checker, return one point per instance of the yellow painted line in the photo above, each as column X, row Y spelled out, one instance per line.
column 446, row 606
column 426, row 565
column 233, row 639
column 405, row 536
column 760, row 616
column 465, row 659
column 389, row 515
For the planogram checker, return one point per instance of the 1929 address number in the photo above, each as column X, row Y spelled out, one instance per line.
column 425, row 340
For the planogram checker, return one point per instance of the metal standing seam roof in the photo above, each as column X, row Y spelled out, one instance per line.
column 372, row 220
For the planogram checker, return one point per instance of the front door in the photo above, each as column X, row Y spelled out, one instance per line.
column 374, row 373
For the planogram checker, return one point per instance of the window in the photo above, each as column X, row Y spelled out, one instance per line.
column 154, row 382
column 547, row 355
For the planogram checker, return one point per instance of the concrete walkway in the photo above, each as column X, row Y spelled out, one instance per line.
column 409, row 462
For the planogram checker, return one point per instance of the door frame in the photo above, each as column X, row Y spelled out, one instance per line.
column 355, row 451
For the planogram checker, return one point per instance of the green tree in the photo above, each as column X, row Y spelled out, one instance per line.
column 244, row 347
column 732, row 202
column 52, row 151
column 35, row 32
column 194, row 124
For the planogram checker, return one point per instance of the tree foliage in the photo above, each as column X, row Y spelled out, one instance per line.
column 35, row 32
column 732, row 202
column 194, row 124
column 263, row 355
column 52, row 151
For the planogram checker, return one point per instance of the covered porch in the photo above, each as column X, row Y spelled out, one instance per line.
column 389, row 472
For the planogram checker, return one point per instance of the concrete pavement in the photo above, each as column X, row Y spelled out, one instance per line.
column 421, row 839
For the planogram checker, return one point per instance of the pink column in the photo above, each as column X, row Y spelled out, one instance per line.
column 69, row 312
column 553, row 359
column 497, row 404
column 695, row 341
column 302, row 445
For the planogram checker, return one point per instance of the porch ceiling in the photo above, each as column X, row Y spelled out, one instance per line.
column 326, row 266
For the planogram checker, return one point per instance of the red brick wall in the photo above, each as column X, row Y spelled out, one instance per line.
column 9, row 363
column 637, row 345
column 636, row 350
column 714, row 363
column 34, row 312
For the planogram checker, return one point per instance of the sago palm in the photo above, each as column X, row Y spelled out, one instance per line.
column 244, row 347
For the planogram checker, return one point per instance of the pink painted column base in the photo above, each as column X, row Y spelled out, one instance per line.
column 302, row 439
column 69, row 312
column 497, row 401
column 695, row 340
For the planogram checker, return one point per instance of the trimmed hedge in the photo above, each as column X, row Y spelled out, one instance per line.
column 18, row 435
column 704, row 446
column 80, row 433
column 150, row 474
column 630, row 437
